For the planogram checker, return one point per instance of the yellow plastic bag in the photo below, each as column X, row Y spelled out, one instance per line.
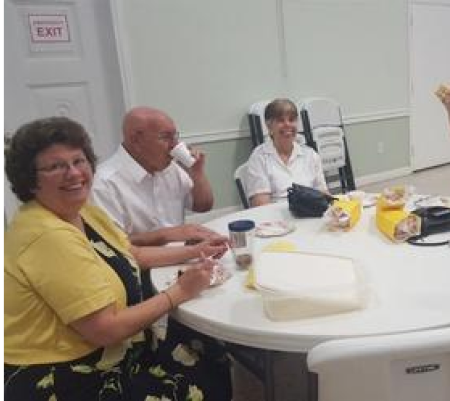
column 393, row 198
column 397, row 224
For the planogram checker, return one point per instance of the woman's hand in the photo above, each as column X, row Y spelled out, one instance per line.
column 109, row 325
column 194, row 279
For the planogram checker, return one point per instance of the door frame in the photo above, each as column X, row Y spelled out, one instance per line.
column 111, row 52
column 415, row 166
column 117, row 12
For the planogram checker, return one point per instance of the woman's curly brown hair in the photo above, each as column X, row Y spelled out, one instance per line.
column 34, row 137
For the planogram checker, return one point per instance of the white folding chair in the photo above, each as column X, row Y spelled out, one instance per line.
column 324, row 130
column 258, row 127
column 240, row 175
column 411, row 366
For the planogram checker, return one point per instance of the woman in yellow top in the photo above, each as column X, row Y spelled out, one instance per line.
column 74, row 314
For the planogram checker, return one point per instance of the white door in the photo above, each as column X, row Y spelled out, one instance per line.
column 60, row 59
column 430, row 66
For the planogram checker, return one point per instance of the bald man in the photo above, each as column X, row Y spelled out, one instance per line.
column 147, row 193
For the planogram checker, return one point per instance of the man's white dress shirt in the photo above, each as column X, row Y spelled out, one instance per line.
column 138, row 201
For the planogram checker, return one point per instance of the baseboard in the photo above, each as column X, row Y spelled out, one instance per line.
column 200, row 218
column 383, row 176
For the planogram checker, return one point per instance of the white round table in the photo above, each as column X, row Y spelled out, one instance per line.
column 410, row 288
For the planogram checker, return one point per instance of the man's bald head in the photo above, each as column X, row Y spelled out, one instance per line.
column 141, row 129
column 142, row 118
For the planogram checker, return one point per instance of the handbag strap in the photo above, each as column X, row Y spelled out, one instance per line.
column 419, row 241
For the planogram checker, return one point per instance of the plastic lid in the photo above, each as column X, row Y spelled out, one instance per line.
column 241, row 225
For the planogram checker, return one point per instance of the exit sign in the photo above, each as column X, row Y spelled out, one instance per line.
column 48, row 28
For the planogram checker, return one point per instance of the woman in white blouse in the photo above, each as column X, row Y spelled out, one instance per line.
column 274, row 165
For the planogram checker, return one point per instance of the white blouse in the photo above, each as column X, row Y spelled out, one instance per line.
column 267, row 173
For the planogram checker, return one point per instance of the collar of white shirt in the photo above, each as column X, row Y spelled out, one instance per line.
column 130, row 166
column 298, row 150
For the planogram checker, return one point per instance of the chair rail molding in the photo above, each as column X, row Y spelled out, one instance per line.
column 230, row 134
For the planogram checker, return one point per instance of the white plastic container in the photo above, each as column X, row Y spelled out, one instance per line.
column 297, row 285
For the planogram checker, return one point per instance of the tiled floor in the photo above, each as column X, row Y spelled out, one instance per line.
column 290, row 382
column 434, row 181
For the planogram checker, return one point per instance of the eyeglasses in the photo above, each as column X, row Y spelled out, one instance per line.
column 168, row 136
column 62, row 167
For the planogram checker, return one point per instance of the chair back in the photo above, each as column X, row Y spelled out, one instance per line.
column 258, row 127
column 240, row 175
column 411, row 366
column 324, row 131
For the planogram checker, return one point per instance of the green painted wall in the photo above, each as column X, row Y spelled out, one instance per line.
column 222, row 159
column 364, row 141
column 206, row 65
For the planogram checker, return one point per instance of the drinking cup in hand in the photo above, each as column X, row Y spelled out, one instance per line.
column 181, row 153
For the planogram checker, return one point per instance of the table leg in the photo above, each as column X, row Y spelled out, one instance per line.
column 313, row 382
column 269, row 381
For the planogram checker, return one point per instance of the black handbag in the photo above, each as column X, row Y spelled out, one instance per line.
column 434, row 220
column 307, row 202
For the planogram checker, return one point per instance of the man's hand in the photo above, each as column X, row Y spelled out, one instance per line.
column 214, row 247
column 197, row 169
column 202, row 194
column 192, row 233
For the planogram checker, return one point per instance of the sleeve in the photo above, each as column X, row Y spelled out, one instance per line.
column 107, row 197
column 186, row 186
column 319, row 178
column 67, row 275
column 257, row 180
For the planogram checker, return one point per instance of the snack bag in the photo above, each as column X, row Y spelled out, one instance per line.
column 343, row 214
column 397, row 225
column 393, row 198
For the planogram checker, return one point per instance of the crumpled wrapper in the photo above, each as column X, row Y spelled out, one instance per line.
column 394, row 198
